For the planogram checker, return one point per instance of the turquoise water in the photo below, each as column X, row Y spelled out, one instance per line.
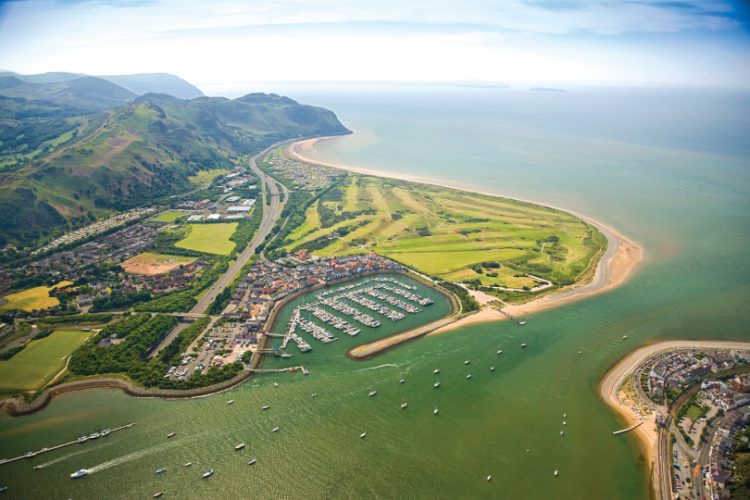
column 671, row 169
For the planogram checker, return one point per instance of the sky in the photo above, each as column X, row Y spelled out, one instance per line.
column 229, row 42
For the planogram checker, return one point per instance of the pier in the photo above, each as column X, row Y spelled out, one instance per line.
column 632, row 427
column 33, row 454
column 520, row 321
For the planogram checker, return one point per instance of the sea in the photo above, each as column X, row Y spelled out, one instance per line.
column 668, row 167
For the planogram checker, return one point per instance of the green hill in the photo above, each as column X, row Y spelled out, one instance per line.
column 135, row 153
column 85, row 94
column 160, row 83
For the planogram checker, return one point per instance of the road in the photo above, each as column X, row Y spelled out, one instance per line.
column 273, row 204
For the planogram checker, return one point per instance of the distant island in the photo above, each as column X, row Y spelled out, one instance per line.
column 546, row 89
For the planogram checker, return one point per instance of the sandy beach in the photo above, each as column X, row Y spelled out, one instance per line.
column 614, row 378
column 615, row 267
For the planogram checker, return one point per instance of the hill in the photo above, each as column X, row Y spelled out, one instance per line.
column 85, row 94
column 137, row 152
column 157, row 83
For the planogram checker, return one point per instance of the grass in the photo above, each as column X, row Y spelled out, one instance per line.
column 448, row 233
column 41, row 360
column 169, row 216
column 209, row 238
column 205, row 177
column 154, row 263
column 36, row 298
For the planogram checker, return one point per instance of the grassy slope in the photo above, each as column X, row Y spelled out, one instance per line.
column 39, row 361
column 442, row 232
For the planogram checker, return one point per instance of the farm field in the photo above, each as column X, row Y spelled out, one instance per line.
column 168, row 216
column 32, row 298
column 209, row 238
column 449, row 234
column 34, row 366
column 150, row 263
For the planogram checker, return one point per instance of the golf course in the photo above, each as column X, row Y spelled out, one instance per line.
column 449, row 234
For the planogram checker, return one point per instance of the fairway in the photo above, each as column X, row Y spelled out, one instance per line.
column 149, row 263
column 209, row 238
column 450, row 234
column 36, row 298
column 34, row 366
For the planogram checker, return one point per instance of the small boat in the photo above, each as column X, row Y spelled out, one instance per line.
column 105, row 433
column 499, row 352
column 436, row 384
column 492, row 368
column 401, row 381
column 436, row 371
column 171, row 434
column 208, row 473
column 239, row 447
column 565, row 415
column 275, row 384
column 3, row 489
column 265, row 407
column 522, row 322
column 435, row 411
column 187, row 464
column 157, row 494
column 524, row 344
column 557, row 472
column 231, row 401
column 363, row 435
column 565, row 422
column 468, row 376
column 29, row 454
column 580, row 352
column 404, row 405
column 314, row 395
column 161, row 470
column 79, row 474
column 467, row 362
column 275, row 429
column 489, row 478
column 95, row 435
column 37, row 467
column 562, row 433
column 83, row 439
column 373, row 393
column 252, row 461
column 624, row 337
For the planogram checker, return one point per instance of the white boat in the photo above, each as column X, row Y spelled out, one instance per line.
column 265, row 407
column 524, row 344
column 373, row 393
column 489, row 478
column 187, row 464
column 435, row 411
column 95, row 435
column 468, row 376
column 404, row 405
column 157, row 494
column 362, row 436
column 467, row 362
column 208, row 473
column 436, row 371
column 499, row 352
column 161, row 470
column 239, row 447
column 624, row 337
column 565, row 415
column 252, row 461
column 275, row 429
column 565, row 422
column 79, row 474
column 106, row 432
column 275, row 384
column 171, row 434
column 562, row 433
column 230, row 401
column 314, row 395
column 83, row 439
column 557, row 472
column 401, row 381
column 436, row 384
column 492, row 368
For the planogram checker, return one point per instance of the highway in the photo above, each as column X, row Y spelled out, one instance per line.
column 272, row 206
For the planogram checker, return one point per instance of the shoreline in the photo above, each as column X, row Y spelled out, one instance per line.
column 615, row 267
column 613, row 379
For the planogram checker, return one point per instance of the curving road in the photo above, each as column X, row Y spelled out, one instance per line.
column 273, row 204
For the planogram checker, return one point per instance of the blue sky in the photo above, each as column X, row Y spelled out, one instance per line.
column 697, row 43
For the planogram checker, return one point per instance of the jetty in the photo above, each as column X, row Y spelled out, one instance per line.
column 33, row 454
column 520, row 321
column 628, row 429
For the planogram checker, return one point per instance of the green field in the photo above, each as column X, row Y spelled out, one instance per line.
column 34, row 298
column 169, row 216
column 205, row 177
column 209, row 238
column 41, row 360
column 450, row 234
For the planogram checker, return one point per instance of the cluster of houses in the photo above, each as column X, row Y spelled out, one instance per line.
column 159, row 284
column 303, row 175
column 94, row 229
column 679, row 369
column 721, row 453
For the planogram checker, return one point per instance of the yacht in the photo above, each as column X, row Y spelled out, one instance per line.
column 171, row 434
column 106, row 432
column 275, row 429
column 404, row 405
column 468, row 376
column 230, row 401
column 565, row 415
column 524, row 344
column 492, row 368
column 467, row 362
column 436, row 371
column 565, row 422
column 161, row 470
column 79, row 474
column 373, row 393
column 252, row 461
column 401, row 381
column 435, row 411
column 436, row 384
column 157, row 494
column 557, row 472
column 362, row 436
column 489, row 478
column 95, row 435
column 499, row 352
column 275, row 384
column 314, row 395
column 562, row 433
column 208, row 473
column 265, row 407
column 83, row 439
column 187, row 464
column 239, row 447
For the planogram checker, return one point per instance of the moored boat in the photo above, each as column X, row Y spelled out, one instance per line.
column 239, row 447
column 79, row 474
column 161, row 470
column 373, row 393
column 363, row 435
column 208, row 473
column 265, row 407
column 404, row 405
column 157, row 494
column 171, row 434
column 275, row 429
column 230, row 401
column 252, row 461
